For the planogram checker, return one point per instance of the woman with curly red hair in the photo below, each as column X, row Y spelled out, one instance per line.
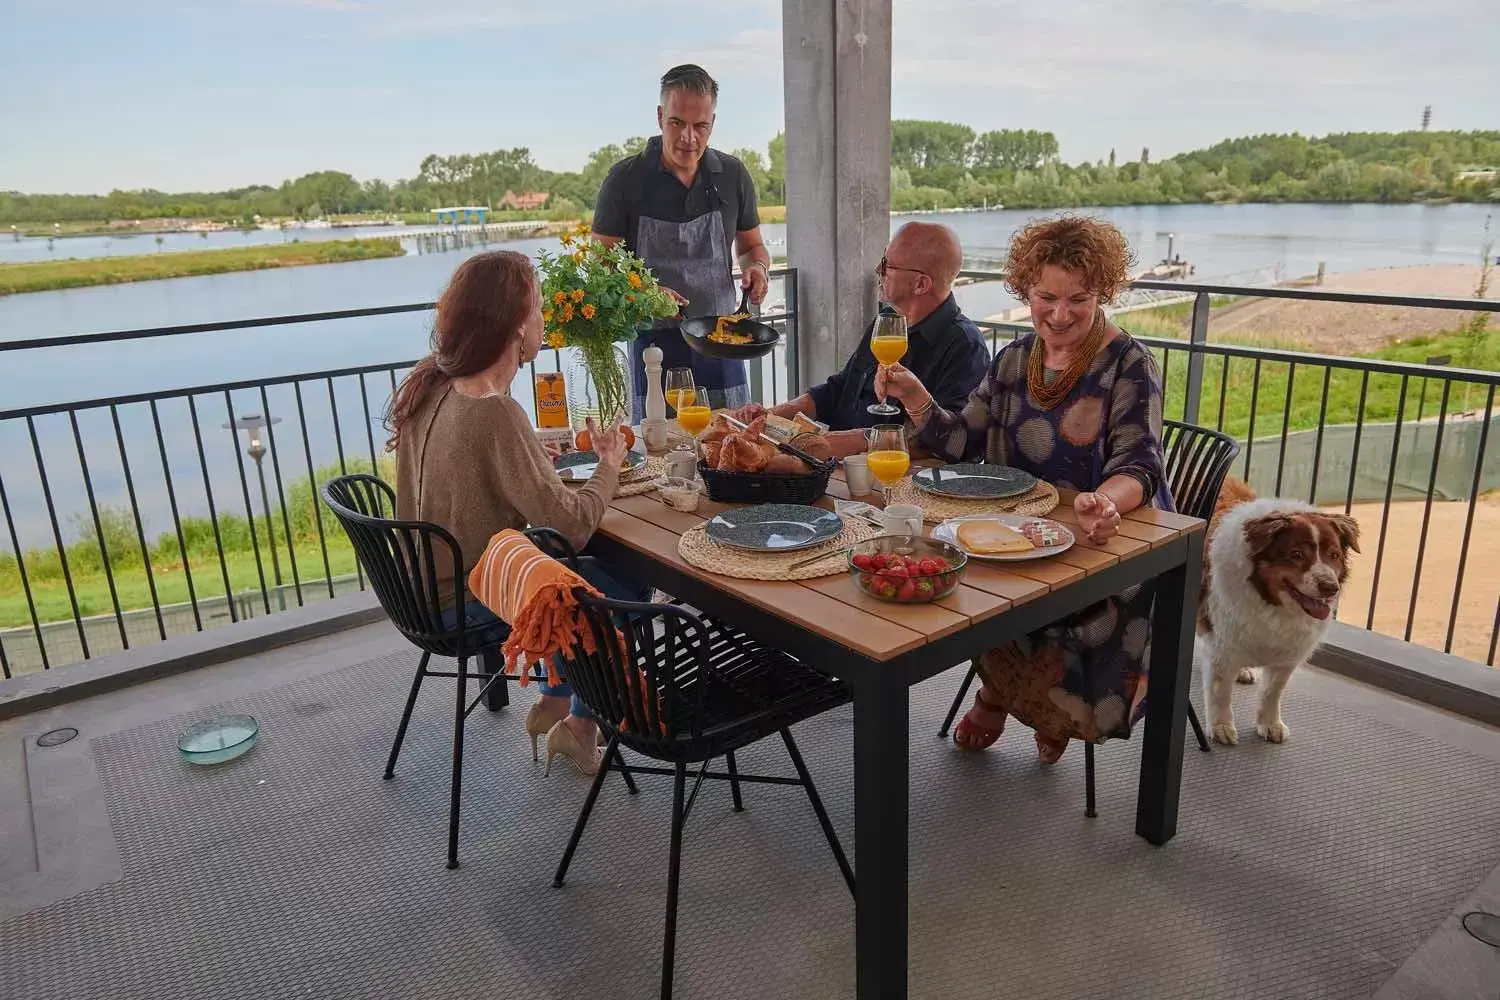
column 1078, row 403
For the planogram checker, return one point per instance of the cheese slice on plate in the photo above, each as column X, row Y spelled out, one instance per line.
column 991, row 538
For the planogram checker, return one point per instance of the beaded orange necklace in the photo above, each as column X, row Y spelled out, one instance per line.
column 1048, row 396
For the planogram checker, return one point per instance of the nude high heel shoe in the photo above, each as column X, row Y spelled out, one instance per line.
column 538, row 723
column 561, row 741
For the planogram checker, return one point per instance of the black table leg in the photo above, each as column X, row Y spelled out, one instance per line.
column 1172, row 626
column 881, row 776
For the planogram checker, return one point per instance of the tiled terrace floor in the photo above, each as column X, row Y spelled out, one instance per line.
column 1315, row 869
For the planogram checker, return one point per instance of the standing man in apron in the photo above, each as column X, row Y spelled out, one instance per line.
column 689, row 212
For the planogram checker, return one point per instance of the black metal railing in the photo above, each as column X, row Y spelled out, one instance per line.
column 1362, row 434
column 168, row 535
column 133, row 517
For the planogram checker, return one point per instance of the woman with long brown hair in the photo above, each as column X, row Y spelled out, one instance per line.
column 468, row 459
column 1077, row 402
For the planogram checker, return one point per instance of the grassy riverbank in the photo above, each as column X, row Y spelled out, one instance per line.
column 50, row 275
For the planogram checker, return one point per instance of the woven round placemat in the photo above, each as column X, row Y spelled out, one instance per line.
column 1036, row 502
column 699, row 550
column 637, row 481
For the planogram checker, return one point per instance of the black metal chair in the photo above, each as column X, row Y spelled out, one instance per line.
column 400, row 558
column 1198, row 459
column 684, row 689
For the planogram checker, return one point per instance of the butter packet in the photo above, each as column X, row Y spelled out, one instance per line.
column 780, row 428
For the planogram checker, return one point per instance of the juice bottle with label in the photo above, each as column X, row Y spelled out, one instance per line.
column 551, row 400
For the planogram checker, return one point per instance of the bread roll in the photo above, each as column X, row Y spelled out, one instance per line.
column 786, row 465
column 815, row 445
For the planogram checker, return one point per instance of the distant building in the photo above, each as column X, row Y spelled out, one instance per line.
column 530, row 201
column 1477, row 175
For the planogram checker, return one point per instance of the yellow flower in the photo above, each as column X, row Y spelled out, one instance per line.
column 578, row 295
column 634, row 279
column 567, row 312
column 566, row 239
column 583, row 229
column 579, row 256
column 559, row 297
column 588, row 311
column 629, row 298
column 546, row 315
column 556, row 340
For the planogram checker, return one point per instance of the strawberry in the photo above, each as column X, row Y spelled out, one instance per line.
column 861, row 561
column 931, row 567
column 896, row 569
column 908, row 591
column 925, row 588
column 877, row 562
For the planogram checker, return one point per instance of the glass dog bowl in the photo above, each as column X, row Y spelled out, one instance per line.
column 214, row 741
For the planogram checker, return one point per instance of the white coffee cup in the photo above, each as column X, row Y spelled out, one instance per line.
column 901, row 519
column 857, row 475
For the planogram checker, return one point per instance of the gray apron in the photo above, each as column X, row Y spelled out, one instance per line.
column 693, row 259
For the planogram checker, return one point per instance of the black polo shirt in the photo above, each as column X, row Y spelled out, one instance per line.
column 945, row 351
column 642, row 185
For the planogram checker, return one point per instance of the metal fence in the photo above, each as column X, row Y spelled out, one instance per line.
column 1405, row 447
column 131, row 518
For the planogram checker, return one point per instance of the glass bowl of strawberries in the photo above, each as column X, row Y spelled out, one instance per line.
column 906, row 569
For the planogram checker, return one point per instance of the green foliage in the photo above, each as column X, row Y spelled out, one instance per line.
column 74, row 273
column 1020, row 168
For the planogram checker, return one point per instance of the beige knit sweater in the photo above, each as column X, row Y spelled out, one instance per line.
column 475, row 467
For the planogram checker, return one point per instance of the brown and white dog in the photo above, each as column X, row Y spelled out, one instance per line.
column 1272, row 573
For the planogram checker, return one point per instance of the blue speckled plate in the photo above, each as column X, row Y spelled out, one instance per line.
column 974, row 481
column 577, row 466
column 774, row 527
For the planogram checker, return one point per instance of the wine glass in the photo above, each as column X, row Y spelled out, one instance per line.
column 888, row 344
column 888, row 458
column 681, row 391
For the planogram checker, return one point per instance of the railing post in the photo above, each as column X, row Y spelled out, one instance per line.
column 1197, row 336
column 793, row 359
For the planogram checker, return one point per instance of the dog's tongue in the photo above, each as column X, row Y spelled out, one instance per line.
column 1318, row 609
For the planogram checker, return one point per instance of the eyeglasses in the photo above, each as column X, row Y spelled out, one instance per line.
column 886, row 265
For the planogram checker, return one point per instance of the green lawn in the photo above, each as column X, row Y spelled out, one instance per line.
column 133, row 588
column 75, row 273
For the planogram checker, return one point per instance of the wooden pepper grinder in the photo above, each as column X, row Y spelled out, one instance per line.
column 654, row 425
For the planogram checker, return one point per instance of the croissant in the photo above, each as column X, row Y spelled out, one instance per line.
column 711, row 451
column 741, row 455
column 755, row 428
column 718, row 430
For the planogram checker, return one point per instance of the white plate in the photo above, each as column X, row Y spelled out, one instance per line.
column 948, row 532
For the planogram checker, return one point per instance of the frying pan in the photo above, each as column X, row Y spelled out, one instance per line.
column 763, row 336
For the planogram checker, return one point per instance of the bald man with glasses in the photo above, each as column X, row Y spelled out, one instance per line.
column 944, row 347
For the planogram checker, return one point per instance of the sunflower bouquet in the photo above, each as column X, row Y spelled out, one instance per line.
column 593, row 297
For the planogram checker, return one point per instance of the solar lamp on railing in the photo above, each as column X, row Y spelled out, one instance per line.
column 254, row 425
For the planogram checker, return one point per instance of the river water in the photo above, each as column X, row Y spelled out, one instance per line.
column 1222, row 241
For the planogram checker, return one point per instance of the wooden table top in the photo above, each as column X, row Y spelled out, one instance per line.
column 833, row 607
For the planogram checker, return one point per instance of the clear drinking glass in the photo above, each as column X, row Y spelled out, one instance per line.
column 888, row 457
column 888, row 344
column 682, row 394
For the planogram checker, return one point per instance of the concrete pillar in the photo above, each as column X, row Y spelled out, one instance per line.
column 837, row 59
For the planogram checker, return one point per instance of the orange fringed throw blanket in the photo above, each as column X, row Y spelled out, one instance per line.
column 533, row 593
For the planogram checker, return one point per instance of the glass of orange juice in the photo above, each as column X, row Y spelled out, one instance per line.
column 888, row 458
column 688, row 404
column 888, row 344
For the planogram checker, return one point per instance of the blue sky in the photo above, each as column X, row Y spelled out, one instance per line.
column 207, row 94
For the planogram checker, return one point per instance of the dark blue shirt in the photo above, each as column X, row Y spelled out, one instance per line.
column 945, row 351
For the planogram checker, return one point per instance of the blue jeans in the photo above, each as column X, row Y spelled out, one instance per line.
column 616, row 588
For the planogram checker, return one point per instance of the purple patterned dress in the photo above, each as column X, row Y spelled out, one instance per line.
column 1083, row 677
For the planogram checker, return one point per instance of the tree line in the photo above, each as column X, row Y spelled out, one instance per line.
column 933, row 165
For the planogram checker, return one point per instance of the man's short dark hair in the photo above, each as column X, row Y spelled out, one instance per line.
column 689, row 78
